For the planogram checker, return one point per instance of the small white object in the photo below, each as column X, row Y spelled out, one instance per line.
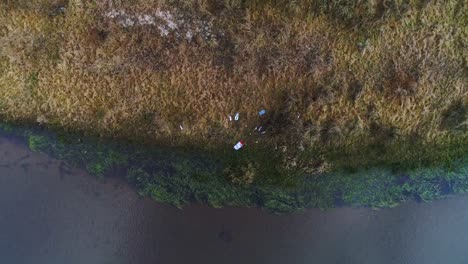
column 230, row 118
column 239, row 145
column 188, row 35
column 181, row 127
column 236, row 117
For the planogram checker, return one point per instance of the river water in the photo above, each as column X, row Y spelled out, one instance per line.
column 51, row 213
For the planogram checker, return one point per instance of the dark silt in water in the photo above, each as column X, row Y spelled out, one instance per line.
column 51, row 213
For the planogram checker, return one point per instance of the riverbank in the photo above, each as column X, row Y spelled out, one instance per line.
column 364, row 104
column 60, row 214
column 180, row 176
column 345, row 84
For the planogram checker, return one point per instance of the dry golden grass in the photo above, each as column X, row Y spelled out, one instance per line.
column 324, row 76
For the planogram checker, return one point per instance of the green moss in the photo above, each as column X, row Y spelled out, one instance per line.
column 8, row 128
column 96, row 169
column 38, row 143
column 165, row 195
column 375, row 188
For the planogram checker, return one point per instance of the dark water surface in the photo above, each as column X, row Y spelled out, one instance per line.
column 51, row 214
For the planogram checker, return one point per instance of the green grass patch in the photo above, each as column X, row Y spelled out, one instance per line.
column 179, row 176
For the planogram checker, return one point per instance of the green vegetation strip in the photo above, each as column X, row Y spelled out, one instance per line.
column 180, row 176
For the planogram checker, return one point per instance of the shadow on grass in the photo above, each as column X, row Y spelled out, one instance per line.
column 364, row 176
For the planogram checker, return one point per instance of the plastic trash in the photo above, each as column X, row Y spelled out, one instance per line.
column 230, row 118
column 181, row 127
column 239, row 145
column 236, row 117
column 262, row 112
column 260, row 129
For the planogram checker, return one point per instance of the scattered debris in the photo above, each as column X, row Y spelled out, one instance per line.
column 188, row 35
column 260, row 129
column 301, row 147
column 262, row 112
column 40, row 119
column 236, row 117
column 57, row 10
column 181, row 127
column 230, row 118
column 239, row 145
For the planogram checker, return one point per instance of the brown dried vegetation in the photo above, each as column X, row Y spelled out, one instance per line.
column 325, row 72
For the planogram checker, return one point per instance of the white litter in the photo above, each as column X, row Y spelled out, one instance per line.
column 239, row 145
column 236, row 117
column 189, row 35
